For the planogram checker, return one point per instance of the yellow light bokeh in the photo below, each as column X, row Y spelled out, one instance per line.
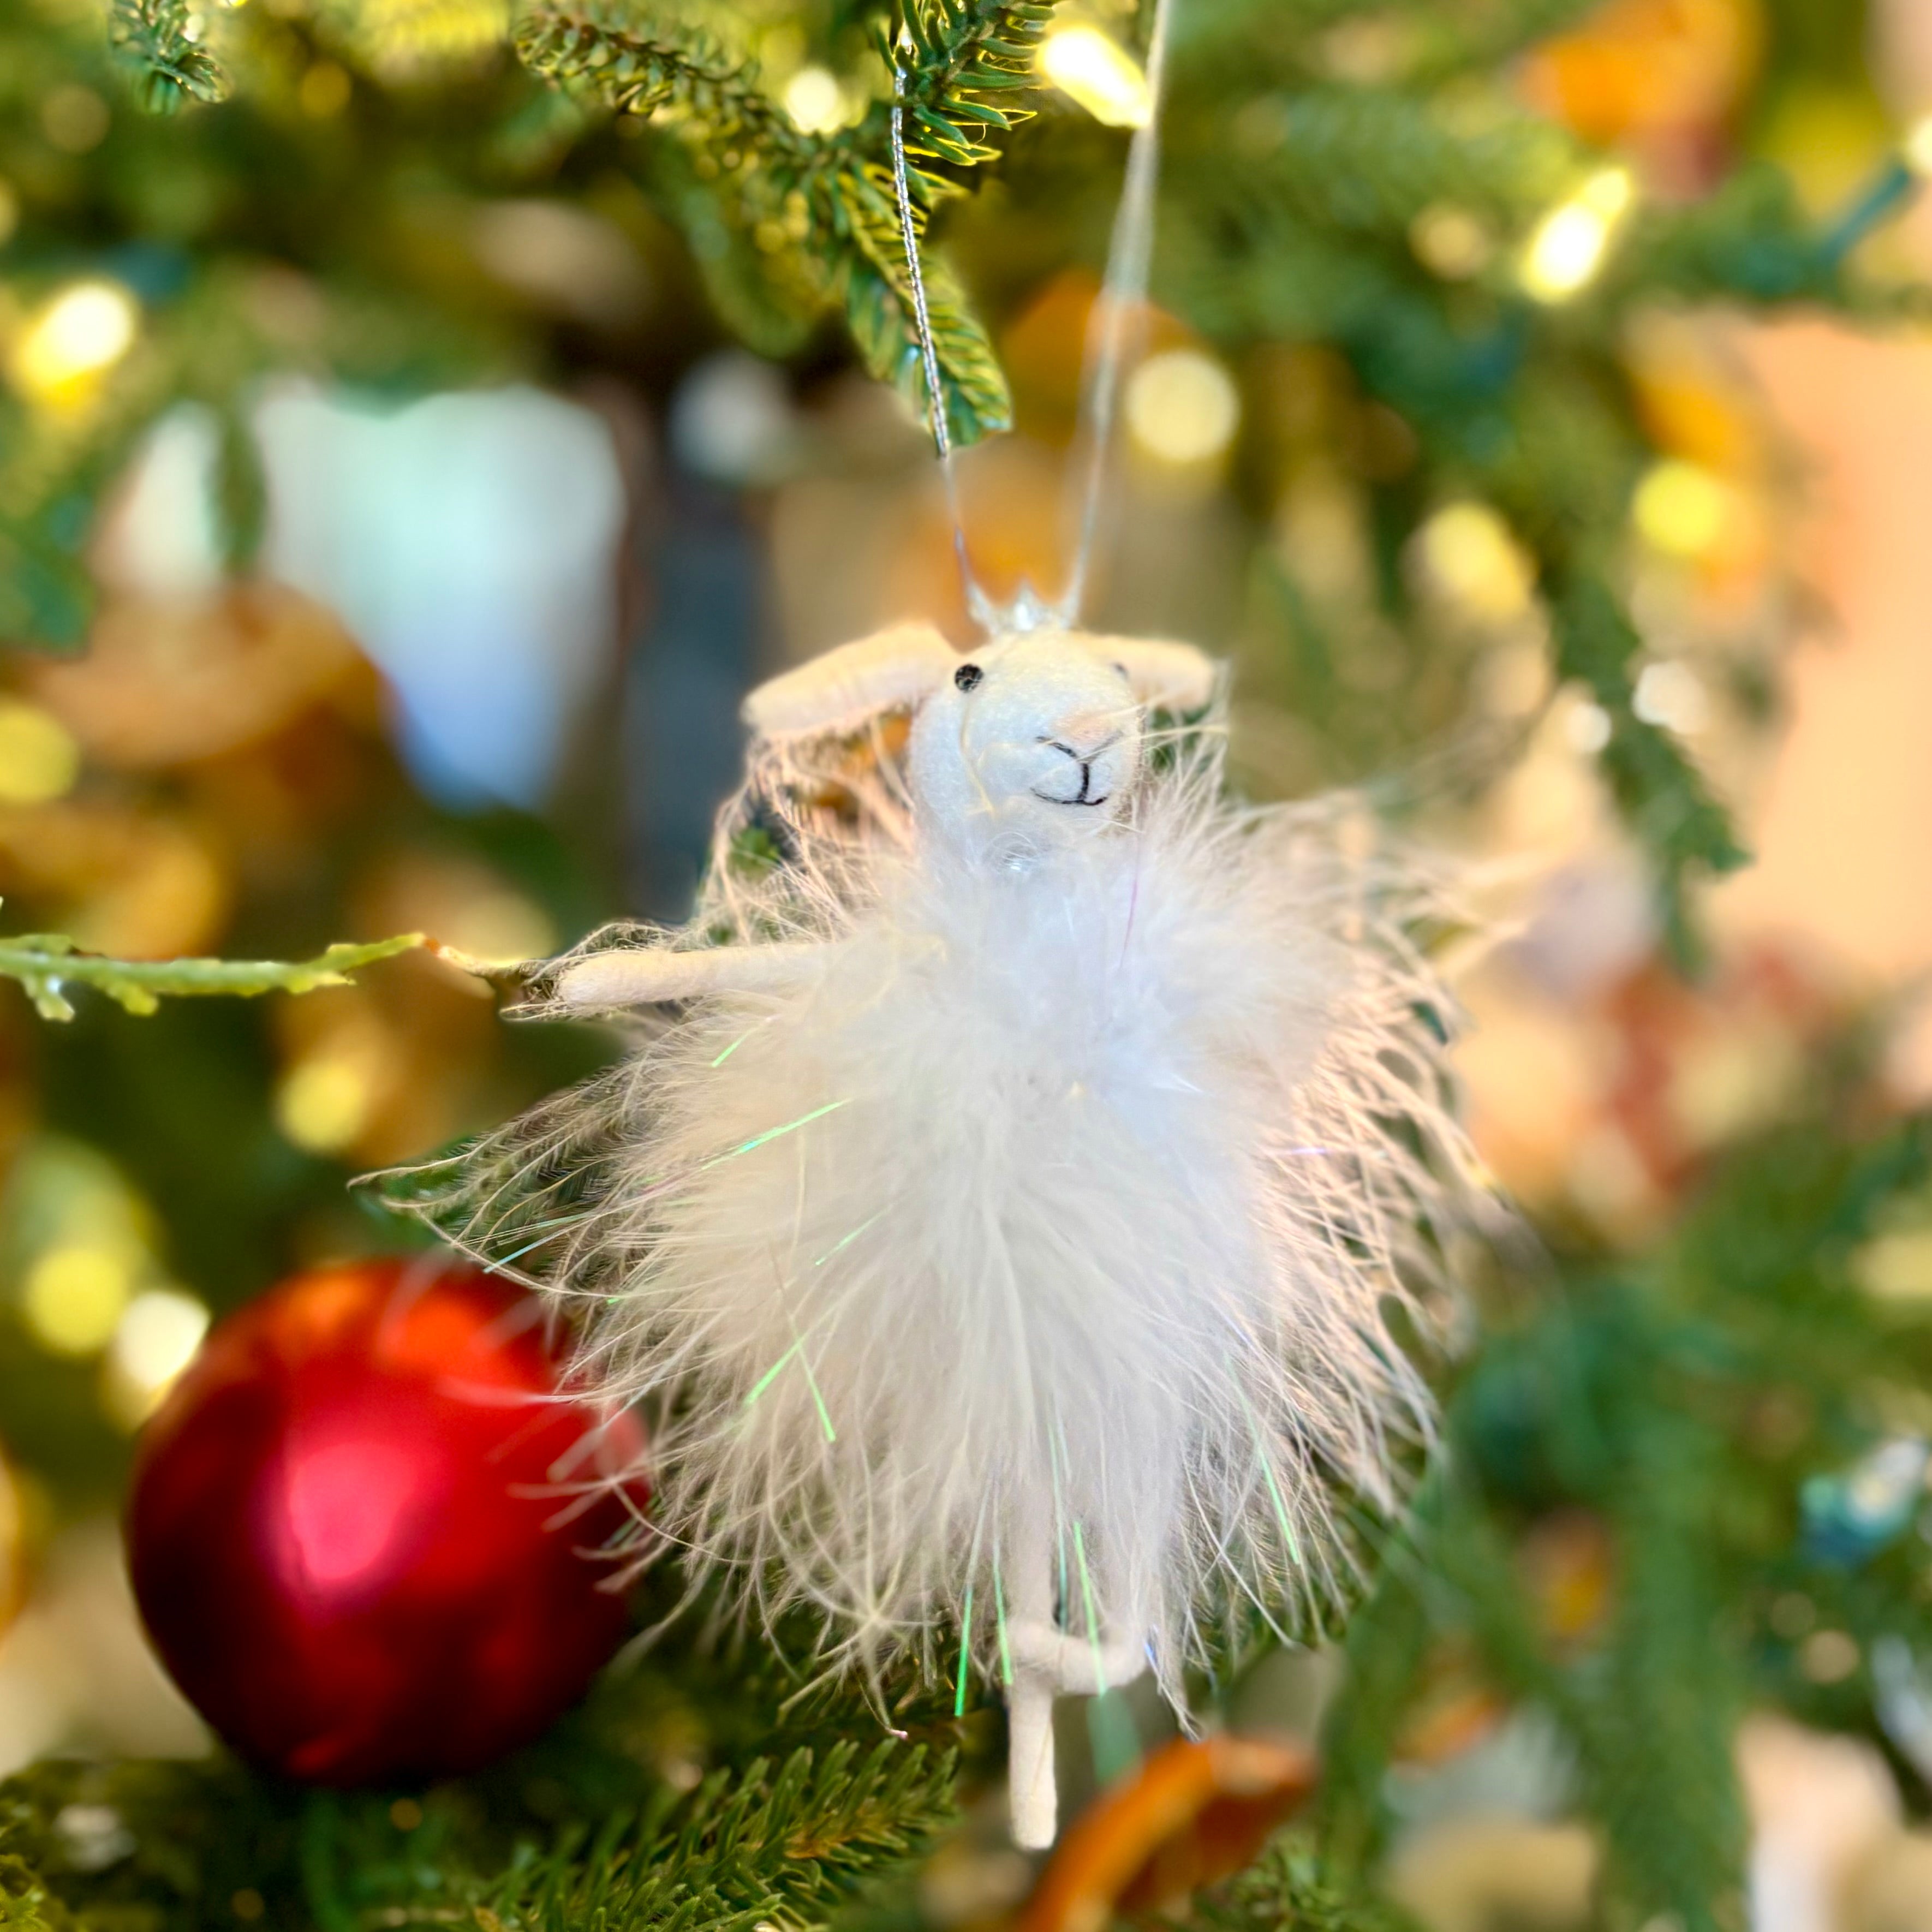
column 73, row 1296
column 1917, row 148
column 815, row 101
column 1450, row 241
column 326, row 1100
column 1570, row 242
column 40, row 758
column 156, row 1338
column 1098, row 73
column 1682, row 509
column 1472, row 559
column 73, row 340
column 1182, row 409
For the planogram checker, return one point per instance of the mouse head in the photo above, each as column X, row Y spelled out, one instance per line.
column 1031, row 743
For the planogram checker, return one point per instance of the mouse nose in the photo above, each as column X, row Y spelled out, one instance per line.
column 1086, row 735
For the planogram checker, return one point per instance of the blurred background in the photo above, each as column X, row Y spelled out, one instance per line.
column 516, row 552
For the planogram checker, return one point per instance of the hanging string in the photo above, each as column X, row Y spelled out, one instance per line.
column 1122, row 305
column 976, row 600
column 1122, row 302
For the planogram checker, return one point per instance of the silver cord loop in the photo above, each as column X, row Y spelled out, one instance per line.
column 976, row 600
column 1122, row 302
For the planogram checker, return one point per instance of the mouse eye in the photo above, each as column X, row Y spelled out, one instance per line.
column 967, row 676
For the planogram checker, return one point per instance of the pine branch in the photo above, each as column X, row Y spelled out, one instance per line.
column 1386, row 1646
column 413, row 40
column 597, row 1824
column 811, row 219
column 46, row 964
column 1370, row 159
column 880, row 312
column 1662, row 1726
column 165, row 64
column 1660, row 792
column 1289, row 1886
column 963, row 61
column 591, row 50
column 779, row 1844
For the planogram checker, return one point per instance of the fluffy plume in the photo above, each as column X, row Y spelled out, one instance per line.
column 1031, row 1255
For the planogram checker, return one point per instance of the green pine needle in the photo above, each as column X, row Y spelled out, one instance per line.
column 153, row 46
column 811, row 219
column 47, row 963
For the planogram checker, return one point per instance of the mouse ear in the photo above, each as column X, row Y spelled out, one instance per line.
column 844, row 688
column 1165, row 676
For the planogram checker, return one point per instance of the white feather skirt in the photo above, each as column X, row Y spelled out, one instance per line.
column 1036, row 1256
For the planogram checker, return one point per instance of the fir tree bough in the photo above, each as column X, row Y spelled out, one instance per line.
column 48, row 964
column 165, row 65
column 816, row 211
column 799, row 1807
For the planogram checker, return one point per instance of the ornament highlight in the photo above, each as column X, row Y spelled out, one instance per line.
column 358, row 1525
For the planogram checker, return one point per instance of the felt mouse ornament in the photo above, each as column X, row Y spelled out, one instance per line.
column 999, row 1219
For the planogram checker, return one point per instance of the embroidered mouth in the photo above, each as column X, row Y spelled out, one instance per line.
column 1086, row 778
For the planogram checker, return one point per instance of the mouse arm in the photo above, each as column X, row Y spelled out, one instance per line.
column 645, row 976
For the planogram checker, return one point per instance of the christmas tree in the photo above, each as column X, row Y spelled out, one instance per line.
column 1435, row 430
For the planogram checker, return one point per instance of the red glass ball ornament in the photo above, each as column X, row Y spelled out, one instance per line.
column 359, row 1524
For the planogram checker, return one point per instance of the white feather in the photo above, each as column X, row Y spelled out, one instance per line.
column 1024, row 1260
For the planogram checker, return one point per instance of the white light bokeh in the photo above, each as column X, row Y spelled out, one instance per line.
column 1568, row 248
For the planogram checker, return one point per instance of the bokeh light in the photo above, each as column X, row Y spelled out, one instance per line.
column 1681, row 508
column 1182, row 409
column 327, row 1098
column 155, row 1339
column 73, row 1295
column 1672, row 695
column 1586, row 728
column 77, row 337
column 1917, row 147
column 499, row 928
column 815, row 101
column 1470, row 558
column 40, row 759
column 75, row 119
column 1569, row 243
column 323, row 90
column 1098, row 73
column 1450, row 241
